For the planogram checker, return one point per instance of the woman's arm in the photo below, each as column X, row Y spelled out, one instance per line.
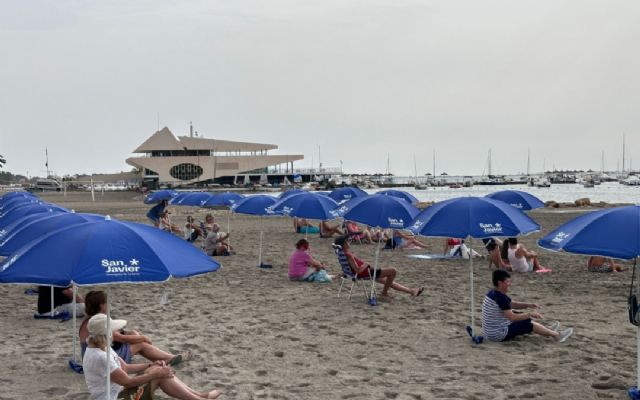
column 132, row 339
column 120, row 377
column 354, row 265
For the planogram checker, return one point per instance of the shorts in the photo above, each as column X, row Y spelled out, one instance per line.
column 518, row 328
column 142, row 392
column 453, row 242
column 365, row 275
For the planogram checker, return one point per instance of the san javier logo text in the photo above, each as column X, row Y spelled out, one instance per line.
column 491, row 228
column 517, row 205
column 119, row 267
column 560, row 237
column 395, row 222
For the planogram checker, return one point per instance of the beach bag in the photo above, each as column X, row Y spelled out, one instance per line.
column 319, row 276
column 632, row 301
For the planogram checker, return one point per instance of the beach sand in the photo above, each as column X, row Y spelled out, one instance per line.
column 256, row 335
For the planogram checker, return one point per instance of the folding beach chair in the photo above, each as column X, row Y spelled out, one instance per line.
column 354, row 234
column 347, row 273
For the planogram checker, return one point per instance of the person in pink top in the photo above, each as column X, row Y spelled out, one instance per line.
column 303, row 267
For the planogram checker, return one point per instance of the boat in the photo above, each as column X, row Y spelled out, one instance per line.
column 417, row 185
column 541, row 182
column 491, row 179
column 455, row 186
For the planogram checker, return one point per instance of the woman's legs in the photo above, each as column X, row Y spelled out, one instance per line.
column 386, row 277
column 150, row 352
column 174, row 387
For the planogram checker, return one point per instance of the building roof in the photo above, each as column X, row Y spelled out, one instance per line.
column 165, row 140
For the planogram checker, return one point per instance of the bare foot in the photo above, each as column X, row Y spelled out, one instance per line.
column 214, row 394
column 418, row 292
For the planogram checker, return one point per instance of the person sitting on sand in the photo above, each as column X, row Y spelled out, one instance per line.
column 602, row 264
column 523, row 260
column 327, row 230
column 493, row 246
column 209, row 221
column 449, row 244
column 148, row 378
column 156, row 211
column 384, row 276
column 192, row 230
column 62, row 301
column 126, row 343
column 216, row 243
column 303, row 267
column 301, row 225
column 166, row 225
column 375, row 235
column 500, row 323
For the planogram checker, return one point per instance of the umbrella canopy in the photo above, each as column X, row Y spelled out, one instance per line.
column 614, row 232
column 10, row 195
column 17, row 202
column 399, row 194
column 20, row 212
column 290, row 192
column 158, row 196
column 40, row 227
column 223, row 199
column 259, row 204
column 378, row 210
column 103, row 252
column 520, row 200
column 306, row 205
column 196, row 199
column 347, row 193
column 476, row 217
column 17, row 224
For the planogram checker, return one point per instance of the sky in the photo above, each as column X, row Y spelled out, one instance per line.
column 363, row 81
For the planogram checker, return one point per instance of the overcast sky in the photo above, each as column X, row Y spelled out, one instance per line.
column 359, row 78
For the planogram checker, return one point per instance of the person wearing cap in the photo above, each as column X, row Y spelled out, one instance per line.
column 384, row 276
column 149, row 376
column 125, row 343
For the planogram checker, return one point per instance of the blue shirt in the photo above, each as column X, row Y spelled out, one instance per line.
column 494, row 323
column 155, row 211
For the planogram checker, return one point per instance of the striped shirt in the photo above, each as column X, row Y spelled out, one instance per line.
column 494, row 324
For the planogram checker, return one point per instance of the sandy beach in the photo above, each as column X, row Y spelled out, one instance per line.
column 256, row 335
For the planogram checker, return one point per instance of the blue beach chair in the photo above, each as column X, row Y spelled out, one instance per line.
column 347, row 273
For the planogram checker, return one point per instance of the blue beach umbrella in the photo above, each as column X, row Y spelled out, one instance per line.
column 104, row 252
column 223, row 199
column 158, row 196
column 518, row 199
column 378, row 211
column 290, row 192
column 37, row 228
column 179, row 197
column 18, row 199
column 10, row 195
column 399, row 194
column 347, row 193
column 306, row 205
column 19, row 213
column 259, row 205
column 194, row 199
column 472, row 217
column 613, row 232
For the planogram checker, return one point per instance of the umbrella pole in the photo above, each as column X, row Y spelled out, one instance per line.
column 52, row 305
column 73, row 288
column 260, row 248
column 372, row 299
column 471, row 286
column 108, row 340
column 229, row 228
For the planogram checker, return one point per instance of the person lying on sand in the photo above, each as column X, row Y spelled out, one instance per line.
column 404, row 241
column 523, row 260
column 149, row 376
column 602, row 264
column 301, row 225
column 303, row 267
column 384, row 276
column 126, row 343
column 500, row 323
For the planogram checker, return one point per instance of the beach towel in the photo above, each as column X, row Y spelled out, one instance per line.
column 319, row 276
column 434, row 256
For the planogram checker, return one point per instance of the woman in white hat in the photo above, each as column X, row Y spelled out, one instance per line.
column 150, row 376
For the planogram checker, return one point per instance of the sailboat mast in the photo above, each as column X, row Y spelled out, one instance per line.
column 489, row 163
column 528, row 161
column 602, row 163
column 623, row 150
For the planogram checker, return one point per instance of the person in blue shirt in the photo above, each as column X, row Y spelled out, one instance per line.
column 154, row 213
column 499, row 320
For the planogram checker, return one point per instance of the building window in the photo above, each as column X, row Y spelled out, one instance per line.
column 147, row 172
column 185, row 172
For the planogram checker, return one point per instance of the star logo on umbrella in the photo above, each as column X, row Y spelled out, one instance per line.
column 134, row 262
